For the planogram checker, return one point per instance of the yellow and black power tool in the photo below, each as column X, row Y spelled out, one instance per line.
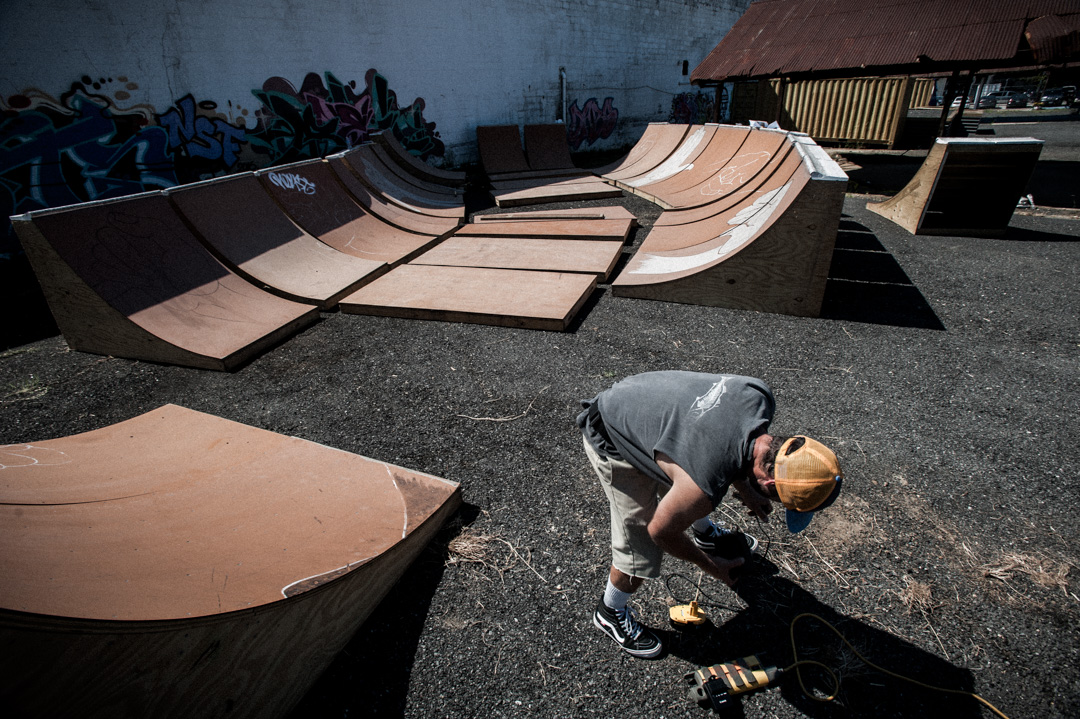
column 719, row 685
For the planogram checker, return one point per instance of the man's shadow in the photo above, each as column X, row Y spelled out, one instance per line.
column 764, row 629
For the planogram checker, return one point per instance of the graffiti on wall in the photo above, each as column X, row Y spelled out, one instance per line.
column 692, row 108
column 93, row 143
column 591, row 122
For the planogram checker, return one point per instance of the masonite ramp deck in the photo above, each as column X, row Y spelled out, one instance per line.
column 772, row 254
column 681, row 160
column 414, row 165
column 311, row 195
column 177, row 563
column 966, row 187
column 655, row 146
column 546, row 147
column 127, row 278
column 249, row 232
column 377, row 204
column 507, row 298
column 517, row 253
column 517, row 194
column 378, row 178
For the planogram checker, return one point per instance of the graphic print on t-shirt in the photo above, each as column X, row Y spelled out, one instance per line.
column 710, row 399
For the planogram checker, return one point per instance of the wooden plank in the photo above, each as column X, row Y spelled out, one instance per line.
column 177, row 534
column 605, row 212
column 517, row 253
column 510, row 195
column 610, row 230
column 508, row 298
column 127, row 278
column 311, row 195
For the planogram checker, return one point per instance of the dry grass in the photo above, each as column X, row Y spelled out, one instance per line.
column 1043, row 571
column 917, row 597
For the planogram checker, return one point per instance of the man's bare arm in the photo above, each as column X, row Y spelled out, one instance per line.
column 681, row 506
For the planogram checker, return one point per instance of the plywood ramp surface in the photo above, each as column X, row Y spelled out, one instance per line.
column 612, row 230
column 655, row 146
column 436, row 190
column 519, row 194
column 509, row 298
column 128, row 278
column 681, row 160
column 415, row 165
column 722, row 146
column 965, row 187
column 251, row 555
column 394, row 190
column 517, row 253
column 246, row 229
column 413, row 220
column 312, row 196
column 546, row 147
column 500, row 149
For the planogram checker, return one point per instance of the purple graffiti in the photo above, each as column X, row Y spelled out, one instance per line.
column 200, row 136
column 591, row 122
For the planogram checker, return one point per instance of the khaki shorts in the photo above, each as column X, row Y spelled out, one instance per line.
column 632, row 496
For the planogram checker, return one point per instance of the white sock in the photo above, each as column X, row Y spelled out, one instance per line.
column 615, row 598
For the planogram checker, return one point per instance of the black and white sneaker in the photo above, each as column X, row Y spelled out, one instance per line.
column 725, row 542
column 622, row 626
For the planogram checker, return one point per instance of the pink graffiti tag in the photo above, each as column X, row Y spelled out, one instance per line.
column 591, row 122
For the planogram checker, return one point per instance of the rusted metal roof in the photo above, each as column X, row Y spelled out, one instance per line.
column 836, row 38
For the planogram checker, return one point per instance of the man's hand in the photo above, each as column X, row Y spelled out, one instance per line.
column 724, row 568
column 757, row 505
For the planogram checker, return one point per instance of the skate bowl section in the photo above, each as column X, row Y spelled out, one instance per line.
column 180, row 564
column 966, row 187
column 763, row 241
column 128, row 278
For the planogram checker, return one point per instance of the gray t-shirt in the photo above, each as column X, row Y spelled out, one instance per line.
column 706, row 423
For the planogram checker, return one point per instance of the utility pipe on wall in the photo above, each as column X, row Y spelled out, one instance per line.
column 562, row 93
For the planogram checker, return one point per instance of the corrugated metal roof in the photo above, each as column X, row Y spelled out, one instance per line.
column 845, row 37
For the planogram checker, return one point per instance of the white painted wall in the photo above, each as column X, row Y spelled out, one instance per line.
column 472, row 61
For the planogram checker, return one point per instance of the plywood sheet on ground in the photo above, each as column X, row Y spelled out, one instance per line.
column 519, row 253
column 312, row 196
column 128, row 278
column 377, row 204
column 965, row 187
column 178, row 534
column 509, row 298
column 513, row 194
column 611, row 230
column 246, row 229
column 655, row 146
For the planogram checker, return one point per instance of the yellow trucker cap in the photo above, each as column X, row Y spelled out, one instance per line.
column 808, row 478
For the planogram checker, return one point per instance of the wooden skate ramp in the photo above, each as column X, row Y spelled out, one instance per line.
column 127, row 278
column 312, row 196
column 520, row 253
column 178, row 564
column 656, row 145
column 412, row 164
column 592, row 223
column 682, row 159
column 453, row 194
column 500, row 149
column 393, row 213
column 248, row 231
column 771, row 253
column 966, row 187
column 374, row 174
column 533, row 192
column 508, row 298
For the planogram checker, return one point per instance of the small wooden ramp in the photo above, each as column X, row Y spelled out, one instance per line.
column 178, row 563
column 508, row 298
column 771, row 252
column 376, row 176
column 531, row 192
column 546, row 147
column 312, row 196
column 416, row 166
column 966, row 187
column 595, row 223
column 656, row 145
column 127, row 278
column 681, row 160
column 369, row 197
column 503, row 158
column 243, row 226
column 597, row 257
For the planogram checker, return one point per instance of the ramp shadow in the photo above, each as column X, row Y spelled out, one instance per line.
column 867, row 284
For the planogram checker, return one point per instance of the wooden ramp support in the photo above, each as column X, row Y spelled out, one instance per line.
column 243, row 226
column 507, row 298
column 127, row 278
column 771, row 252
column 182, row 565
column 966, row 187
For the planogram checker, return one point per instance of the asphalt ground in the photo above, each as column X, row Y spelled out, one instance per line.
column 944, row 371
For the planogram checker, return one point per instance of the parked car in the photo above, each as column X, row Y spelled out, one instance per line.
column 989, row 102
column 1013, row 99
column 1053, row 97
